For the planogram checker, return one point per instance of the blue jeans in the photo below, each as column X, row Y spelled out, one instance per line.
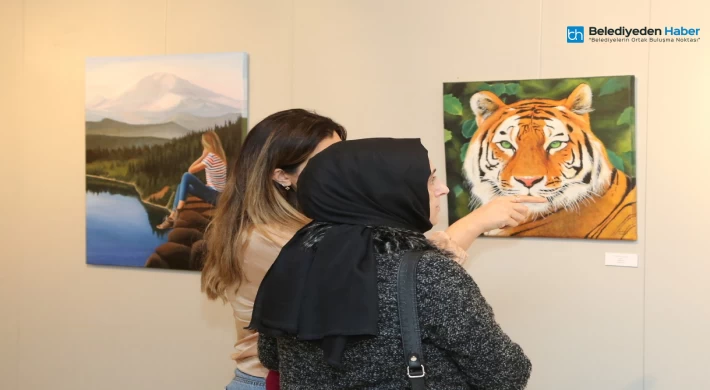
column 191, row 185
column 243, row 381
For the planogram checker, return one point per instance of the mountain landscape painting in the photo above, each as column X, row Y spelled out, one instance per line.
column 161, row 132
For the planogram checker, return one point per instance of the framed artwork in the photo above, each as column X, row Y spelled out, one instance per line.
column 160, row 131
column 570, row 141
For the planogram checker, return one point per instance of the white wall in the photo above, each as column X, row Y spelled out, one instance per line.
column 678, row 261
column 378, row 68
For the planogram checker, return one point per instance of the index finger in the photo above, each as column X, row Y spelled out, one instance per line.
column 530, row 199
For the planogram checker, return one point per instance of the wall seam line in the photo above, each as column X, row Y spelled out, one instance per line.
column 645, row 211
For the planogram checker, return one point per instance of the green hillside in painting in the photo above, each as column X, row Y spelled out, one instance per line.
column 115, row 128
column 114, row 142
column 152, row 164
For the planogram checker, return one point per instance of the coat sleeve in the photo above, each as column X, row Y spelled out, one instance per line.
column 458, row 320
column 444, row 242
column 268, row 352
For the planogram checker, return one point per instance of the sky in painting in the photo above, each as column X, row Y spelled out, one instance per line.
column 224, row 73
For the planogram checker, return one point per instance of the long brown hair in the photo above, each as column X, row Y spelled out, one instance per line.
column 251, row 198
column 211, row 142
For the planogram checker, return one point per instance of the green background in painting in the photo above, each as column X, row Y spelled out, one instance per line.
column 612, row 121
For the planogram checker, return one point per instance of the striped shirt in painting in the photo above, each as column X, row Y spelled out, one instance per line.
column 215, row 171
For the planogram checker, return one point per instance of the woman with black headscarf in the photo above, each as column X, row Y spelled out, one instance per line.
column 327, row 310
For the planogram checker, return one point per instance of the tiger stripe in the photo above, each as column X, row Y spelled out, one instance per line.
column 546, row 148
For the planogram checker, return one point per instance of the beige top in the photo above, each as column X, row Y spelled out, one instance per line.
column 264, row 245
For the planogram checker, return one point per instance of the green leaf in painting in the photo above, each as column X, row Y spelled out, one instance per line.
column 512, row 88
column 531, row 88
column 464, row 149
column 626, row 117
column 474, row 87
column 613, row 85
column 447, row 135
column 630, row 161
column 452, row 105
column 458, row 190
column 617, row 161
column 618, row 139
column 462, row 208
column 469, row 127
column 498, row 89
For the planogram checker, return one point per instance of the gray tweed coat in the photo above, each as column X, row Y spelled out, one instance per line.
column 464, row 347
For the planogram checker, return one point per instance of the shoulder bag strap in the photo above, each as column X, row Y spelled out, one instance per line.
column 409, row 320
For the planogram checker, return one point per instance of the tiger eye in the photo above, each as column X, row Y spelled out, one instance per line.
column 506, row 145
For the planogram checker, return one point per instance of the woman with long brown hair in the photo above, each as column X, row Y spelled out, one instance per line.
column 257, row 214
column 214, row 162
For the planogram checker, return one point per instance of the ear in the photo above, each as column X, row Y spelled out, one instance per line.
column 279, row 176
column 483, row 104
column 580, row 100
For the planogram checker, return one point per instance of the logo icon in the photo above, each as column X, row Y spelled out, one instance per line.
column 575, row 34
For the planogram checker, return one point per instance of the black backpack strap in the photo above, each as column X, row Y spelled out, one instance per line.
column 409, row 320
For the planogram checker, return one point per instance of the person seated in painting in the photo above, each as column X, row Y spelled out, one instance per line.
column 214, row 163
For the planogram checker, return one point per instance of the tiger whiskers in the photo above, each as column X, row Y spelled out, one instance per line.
column 576, row 204
column 474, row 203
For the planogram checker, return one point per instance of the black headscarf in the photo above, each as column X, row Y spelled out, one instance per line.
column 329, row 294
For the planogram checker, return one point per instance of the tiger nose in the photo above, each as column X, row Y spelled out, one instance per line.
column 528, row 181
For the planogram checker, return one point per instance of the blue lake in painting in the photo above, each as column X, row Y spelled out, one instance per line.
column 120, row 229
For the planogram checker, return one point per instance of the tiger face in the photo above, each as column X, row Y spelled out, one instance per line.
column 536, row 147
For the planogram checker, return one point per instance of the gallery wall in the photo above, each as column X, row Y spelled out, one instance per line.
column 377, row 68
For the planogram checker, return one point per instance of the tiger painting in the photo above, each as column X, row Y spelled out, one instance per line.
column 547, row 148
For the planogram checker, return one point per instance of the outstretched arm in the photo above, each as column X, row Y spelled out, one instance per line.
column 464, row 231
column 506, row 211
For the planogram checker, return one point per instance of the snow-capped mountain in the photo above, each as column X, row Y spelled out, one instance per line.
column 161, row 97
